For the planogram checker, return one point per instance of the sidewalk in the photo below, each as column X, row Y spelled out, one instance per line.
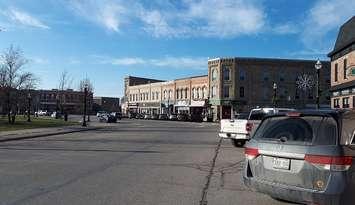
column 44, row 132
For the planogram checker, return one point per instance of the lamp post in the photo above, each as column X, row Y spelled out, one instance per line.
column 318, row 66
column 29, row 108
column 57, row 105
column 84, row 115
column 274, row 87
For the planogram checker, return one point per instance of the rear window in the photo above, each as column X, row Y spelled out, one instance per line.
column 308, row 130
column 257, row 115
column 242, row 116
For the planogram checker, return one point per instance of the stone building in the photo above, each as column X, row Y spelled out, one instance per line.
column 241, row 84
column 343, row 67
column 185, row 95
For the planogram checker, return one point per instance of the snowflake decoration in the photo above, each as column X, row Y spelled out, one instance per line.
column 305, row 82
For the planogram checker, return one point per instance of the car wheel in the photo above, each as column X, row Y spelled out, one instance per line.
column 238, row 143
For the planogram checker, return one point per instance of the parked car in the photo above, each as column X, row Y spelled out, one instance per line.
column 163, row 117
column 304, row 157
column 42, row 113
column 243, row 125
column 108, row 118
column 173, row 117
column 56, row 115
column 154, row 117
column 99, row 113
column 196, row 117
column 139, row 116
column 183, row 117
column 132, row 115
column 147, row 116
column 117, row 115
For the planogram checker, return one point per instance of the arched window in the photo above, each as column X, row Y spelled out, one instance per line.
column 165, row 95
column 193, row 93
column 181, row 93
column 153, row 95
column 226, row 73
column 170, row 94
column 185, row 93
column 204, row 92
column 213, row 91
column 199, row 93
column 214, row 74
column 157, row 95
column 177, row 94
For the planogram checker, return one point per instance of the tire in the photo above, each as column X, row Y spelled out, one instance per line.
column 238, row 143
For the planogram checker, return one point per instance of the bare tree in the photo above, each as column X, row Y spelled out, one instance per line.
column 13, row 79
column 65, row 83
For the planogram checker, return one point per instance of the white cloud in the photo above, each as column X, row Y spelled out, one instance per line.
column 39, row 60
column 287, row 28
column 107, row 13
column 23, row 18
column 228, row 18
column 167, row 61
column 323, row 17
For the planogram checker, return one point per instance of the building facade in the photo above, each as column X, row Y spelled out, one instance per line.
column 67, row 101
column 241, row 84
column 108, row 104
column 186, row 95
column 343, row 67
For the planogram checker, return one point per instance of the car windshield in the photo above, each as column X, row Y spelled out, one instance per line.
column 242, row 116
column 257, row 115
column 310, row 130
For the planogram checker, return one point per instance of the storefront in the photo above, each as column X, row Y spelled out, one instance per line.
column 182, row 106
column 149, row 108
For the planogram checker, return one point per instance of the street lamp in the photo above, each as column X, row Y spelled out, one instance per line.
column 318, row 66
column 85, row 94
column 274, row 87
column 29, row 108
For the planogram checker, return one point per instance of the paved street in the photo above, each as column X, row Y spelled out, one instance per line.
column 133, row 162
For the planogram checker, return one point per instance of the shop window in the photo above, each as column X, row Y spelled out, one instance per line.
column 336, row 103
column 346, row 102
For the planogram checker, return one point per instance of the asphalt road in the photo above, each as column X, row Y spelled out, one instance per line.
column 133, row 162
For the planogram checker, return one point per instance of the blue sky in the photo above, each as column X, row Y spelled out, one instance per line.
column 106, row 40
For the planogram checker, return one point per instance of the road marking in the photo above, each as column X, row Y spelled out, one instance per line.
column 210, row 173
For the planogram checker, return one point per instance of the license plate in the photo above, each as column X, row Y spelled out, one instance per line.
column 281, row 163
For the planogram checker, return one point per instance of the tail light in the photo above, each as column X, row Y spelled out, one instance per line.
column 249, row 127
column 251, row 153
column 342, row 163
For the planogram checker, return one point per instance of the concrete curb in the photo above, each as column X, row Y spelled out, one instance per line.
column 30, row 136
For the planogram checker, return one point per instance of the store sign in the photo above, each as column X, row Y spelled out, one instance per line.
column 335, row 93
column 197, row 103
column 345, row 92
column 182, row 103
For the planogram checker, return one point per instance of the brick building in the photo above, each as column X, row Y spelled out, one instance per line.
column 69, row 101
column 240, row 84
column 185, row 95
column 108, row 104
column 343, row 67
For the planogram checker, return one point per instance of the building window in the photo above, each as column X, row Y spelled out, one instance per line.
column 181, row 93
column 214, row 74
column 266, row 76
column 226, row 91
column 185, row 93
column 336, row 72
column 177, row 94
column 130, row 97
column 336, row 103
column 199, row 94
column 157, row 95
column 353, row 101
column 242, row 75
column 241, row 92
column 344, row 67
column 165, row 94
column 226, row 73
column 204, row 92
column 346, row 102
column 214, row 91
column 170, row 94
column 193, row 93
column 282, row 77
column 153, row 95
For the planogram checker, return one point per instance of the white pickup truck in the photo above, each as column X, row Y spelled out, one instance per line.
column 241, row 128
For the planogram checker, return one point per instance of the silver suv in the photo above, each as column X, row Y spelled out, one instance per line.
column 305, row 157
